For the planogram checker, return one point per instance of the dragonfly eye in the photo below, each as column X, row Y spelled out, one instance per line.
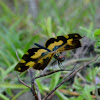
column 61, row 59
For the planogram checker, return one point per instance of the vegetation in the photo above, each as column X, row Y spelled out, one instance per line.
column 20, row 29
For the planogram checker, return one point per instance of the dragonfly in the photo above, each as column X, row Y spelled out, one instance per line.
column 39, row 57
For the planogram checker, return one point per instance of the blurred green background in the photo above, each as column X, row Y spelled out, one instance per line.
column 24, row 22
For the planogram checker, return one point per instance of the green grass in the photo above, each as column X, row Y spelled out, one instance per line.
column 19, row 32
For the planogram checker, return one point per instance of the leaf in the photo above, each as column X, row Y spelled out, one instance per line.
column 97, row 32
column 86, row 92
column 40, row 86
column 49, row 26
column 32, row 40
column 13, row 86
column 54, row 80
column 19, row 94
column 6, row 9
column 61, row 95
column 80, row 98
column 97, row 37
column 9, row 69
column 3, row 97
column 77, row 84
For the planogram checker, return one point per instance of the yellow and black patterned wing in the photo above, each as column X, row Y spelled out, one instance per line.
column 35, row 57
column 61, row 40
column 43, row 61
column 71, row 44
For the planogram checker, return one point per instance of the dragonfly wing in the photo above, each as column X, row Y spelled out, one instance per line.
column 43, row 61
column 61, row 40
column 69, row 46
column 29, row 59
